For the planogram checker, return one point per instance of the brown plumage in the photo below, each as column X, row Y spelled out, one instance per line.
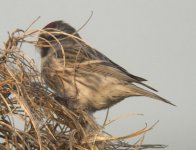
column 83, row 75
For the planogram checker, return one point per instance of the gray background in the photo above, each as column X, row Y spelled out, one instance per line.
column 155, row 39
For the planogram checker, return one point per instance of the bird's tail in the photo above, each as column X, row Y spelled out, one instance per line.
column 142, row 92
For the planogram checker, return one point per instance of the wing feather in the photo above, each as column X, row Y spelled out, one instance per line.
column 91, row 60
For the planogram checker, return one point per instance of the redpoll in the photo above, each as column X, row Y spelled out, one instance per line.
column 81, row 74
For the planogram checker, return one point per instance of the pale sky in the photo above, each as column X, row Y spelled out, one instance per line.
column 154, row 39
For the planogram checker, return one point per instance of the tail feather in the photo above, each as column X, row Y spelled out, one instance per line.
column 142, row 92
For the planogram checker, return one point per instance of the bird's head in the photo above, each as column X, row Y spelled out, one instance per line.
column 54, row 32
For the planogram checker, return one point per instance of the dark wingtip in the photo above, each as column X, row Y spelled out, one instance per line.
column 148, row 86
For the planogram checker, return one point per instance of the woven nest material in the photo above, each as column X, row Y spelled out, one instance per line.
column 33, row 117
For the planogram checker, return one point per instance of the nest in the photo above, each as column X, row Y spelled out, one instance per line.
column 33, row 117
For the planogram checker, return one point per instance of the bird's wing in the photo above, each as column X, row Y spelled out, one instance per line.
column 90, row 53
column 94, row 61
column 107, row 68
column 104, row 64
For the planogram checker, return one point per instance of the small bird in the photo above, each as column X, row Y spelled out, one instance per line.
column 81, row 74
